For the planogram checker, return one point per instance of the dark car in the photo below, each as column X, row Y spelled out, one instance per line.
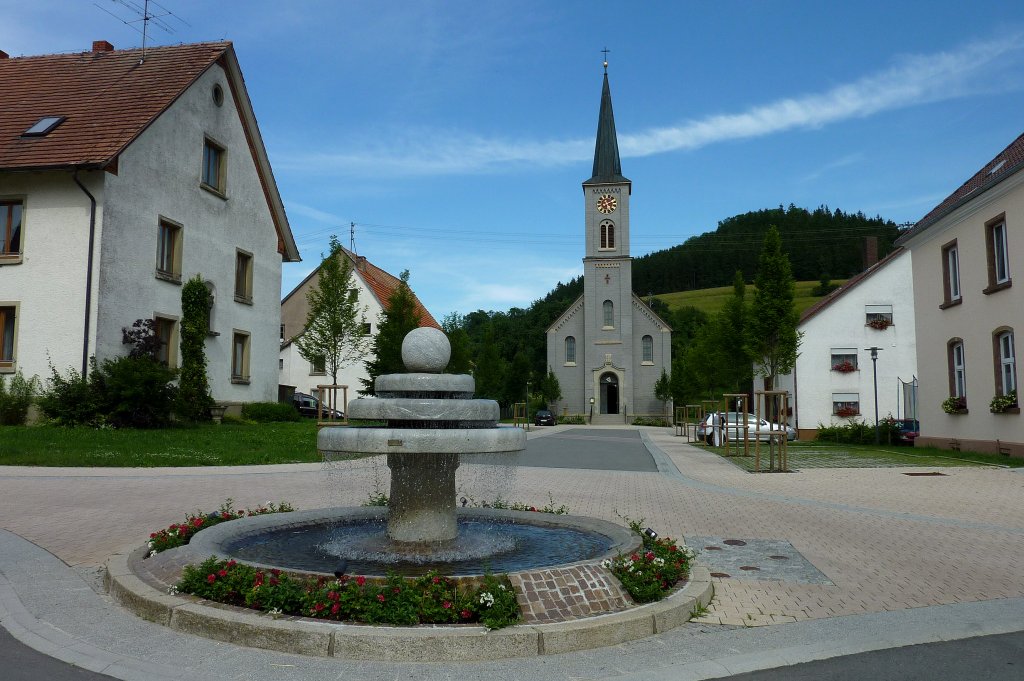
column 543, row 417
column 907, row 431
column 309, row 406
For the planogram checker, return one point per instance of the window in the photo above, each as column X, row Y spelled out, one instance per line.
column 957, row 368
column 844, row 360
column 647, row 343
column 243, row 277
column 570, row 350
column 8, row 325
column 846, row 404
column 878, row 316
column 10, row 230
column 168, row 251
column 609, row 314
column 240, row 357
column 607, row 235
column 950, row 274
column 318, row 367
column 167, row 332
column 214, row 166
column 367, row 329
column 1006, row 362
column 998, row 257
column 280, row 363
column 282, row 333
column 44, row 126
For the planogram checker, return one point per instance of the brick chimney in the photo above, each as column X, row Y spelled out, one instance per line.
column 4, row 55
column 870, row 251
column 102, row 46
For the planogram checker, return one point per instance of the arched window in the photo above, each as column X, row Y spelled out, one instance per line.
column 1006, row 361
column 570, row 350
column 607, row 234
column 609, row 314
column 957, row 368
column 647, row 343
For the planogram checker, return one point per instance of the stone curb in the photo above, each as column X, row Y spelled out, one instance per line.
column 398, row 644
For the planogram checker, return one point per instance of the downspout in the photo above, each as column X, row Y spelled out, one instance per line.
column 88, row 273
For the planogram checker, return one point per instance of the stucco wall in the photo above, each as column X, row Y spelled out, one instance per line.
column 159, row 176
column 973, row 320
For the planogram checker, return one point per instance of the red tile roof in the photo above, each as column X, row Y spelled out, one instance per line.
column 1006, row 163
column 384, row 285
column 850, row 284
column 107, row 97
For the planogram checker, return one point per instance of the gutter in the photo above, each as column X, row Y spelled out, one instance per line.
column 88, row 273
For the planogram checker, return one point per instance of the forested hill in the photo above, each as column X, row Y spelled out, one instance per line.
column 818, row 242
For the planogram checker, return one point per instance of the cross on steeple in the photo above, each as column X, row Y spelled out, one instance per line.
column 607, row 278
column 606, row 51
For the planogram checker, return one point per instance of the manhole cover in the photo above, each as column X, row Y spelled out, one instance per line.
column 750, row 567
column 712, row 548
column 735, row 542
column 920, row 475
column 779, row 557
column 720, row 574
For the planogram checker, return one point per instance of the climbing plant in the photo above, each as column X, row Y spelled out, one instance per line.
column 194, row 400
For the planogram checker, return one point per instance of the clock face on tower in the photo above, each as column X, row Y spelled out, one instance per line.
column 606, row 203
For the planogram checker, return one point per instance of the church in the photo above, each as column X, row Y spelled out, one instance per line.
column 609, row 348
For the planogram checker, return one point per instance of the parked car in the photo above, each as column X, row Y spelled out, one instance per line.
column 908, row 429
column 543, row 417
column 309, row 406
column 731, row 423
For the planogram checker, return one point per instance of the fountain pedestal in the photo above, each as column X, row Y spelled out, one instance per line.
column 421, row 508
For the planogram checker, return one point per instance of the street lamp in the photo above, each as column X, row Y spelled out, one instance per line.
column 527, row 406
column 874, row 371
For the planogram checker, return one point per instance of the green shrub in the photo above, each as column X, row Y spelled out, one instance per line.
column 180, row 534
column 16, row 399
column 652, row 571
column 70, row 401
column 650, row 421
column 572, row 419
column 263, row 412
column 858, row 432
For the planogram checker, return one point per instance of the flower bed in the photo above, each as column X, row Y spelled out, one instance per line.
column 651, row 573
column 430, row 599
column 180, row 534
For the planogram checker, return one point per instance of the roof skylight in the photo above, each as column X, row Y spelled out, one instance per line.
column 994, row 169
column 45, row 125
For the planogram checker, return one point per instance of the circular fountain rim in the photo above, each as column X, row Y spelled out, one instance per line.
column 212, row 540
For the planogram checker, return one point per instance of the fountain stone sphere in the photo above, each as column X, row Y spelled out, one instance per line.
column 426, row 350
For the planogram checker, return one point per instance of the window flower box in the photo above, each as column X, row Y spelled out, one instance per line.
column 880, row 324
column 955, row 405
column 844, row 367
column 1005, row 404
column 846, row 412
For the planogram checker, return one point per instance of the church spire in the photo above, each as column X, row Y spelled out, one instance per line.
column 607, row 167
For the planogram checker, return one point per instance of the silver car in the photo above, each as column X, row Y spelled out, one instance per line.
column 731, row 423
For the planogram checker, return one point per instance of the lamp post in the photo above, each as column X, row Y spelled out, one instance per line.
column 527, row 407
column 591, row 409
column 874, row 372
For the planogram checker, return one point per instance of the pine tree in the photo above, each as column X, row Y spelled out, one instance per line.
column 399, row 317
column 333, row 334
column 461, row 361
column 663, row 389
column 772, row 337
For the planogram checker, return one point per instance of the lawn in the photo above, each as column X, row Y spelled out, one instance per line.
column 804, row 455
column 711, row 300
column 228, row 444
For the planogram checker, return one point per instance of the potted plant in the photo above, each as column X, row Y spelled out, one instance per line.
column 955, row 405
column 846, row 412
column 1002, row 404
column 844, row 367
column 880, row 323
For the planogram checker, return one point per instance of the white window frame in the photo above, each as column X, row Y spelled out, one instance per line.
column 953, row 269
column 959, row 369
column 1000, row 256
column 1007, row 363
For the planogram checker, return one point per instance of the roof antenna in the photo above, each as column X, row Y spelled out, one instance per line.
column 146, row 17
column 352, row 237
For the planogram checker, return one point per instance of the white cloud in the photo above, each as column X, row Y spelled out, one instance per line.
column 914, row 80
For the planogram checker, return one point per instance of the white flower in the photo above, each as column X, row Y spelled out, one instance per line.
column 172, row 590
column 150, row 543
column 151, row 554
column 658, row 561
column 606, row 563
column 275, row 612
column 502, row 587
column 486, row 599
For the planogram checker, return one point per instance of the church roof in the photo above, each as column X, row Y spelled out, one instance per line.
column 607, row 167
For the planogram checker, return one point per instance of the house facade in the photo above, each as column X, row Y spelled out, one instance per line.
column 965, row 254
column 834, row 378
column 609, row 348
column 375, row 287
column 130, row 178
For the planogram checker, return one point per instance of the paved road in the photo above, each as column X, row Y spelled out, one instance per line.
column 993, row 658
column 595, row 449
column 18, row 662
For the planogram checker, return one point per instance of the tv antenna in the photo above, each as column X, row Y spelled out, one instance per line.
column 352, row 237
column 145, row 16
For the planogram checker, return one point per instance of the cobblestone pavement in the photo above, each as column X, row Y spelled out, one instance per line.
column 880, row 540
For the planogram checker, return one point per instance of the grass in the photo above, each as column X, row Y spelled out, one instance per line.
column 234, row 444
column 805, row 455
column 711, row 300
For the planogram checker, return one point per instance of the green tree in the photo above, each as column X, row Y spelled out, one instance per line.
column 490, row 368
column 737, row 364
column 550, row 389
column 333, row 334
column 461, row 361
column 400, row 316
column 663, row 389
column 193, row 399
column 772, row 337
column 516, row 377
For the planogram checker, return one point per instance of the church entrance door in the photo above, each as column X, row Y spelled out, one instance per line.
column 609, row 394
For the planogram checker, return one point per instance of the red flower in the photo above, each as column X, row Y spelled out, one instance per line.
column 275, row 572
column 318, row 607
column 380, row 597
column 466, row 614
column 222, row 573
column 436, row 580
column 672, row 548
column 274, row 581
column 360, row 580
column 446, row 605
column 211, row 578
column 197, row 522
column 634, row 558
column 152, row 534
column 335, row 609
column 232, row 563
column 396, row 590
column 533, row 508
column 332, row 595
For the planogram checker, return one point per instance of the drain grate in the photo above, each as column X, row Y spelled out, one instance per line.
column 720, row 574
column 712, row 548
column 750, row 568
column 924, row 475
column 735, row 542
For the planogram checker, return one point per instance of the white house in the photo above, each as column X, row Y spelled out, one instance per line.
column 123, row 175
column 375, row 287
column 966, row 250
column 834, row 376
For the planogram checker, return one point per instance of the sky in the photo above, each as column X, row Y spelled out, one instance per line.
column 456, row 134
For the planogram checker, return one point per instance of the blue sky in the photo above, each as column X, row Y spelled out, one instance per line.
column 456, row 135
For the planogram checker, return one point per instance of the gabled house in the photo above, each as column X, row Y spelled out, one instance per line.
column 966, row 251
column 834, row 380
column 122, row 175
column 375, row 287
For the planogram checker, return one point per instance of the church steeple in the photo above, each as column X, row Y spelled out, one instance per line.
column 607, row 167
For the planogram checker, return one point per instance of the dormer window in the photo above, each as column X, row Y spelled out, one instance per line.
column 45, row 125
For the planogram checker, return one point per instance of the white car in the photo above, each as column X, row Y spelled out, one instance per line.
column 731, row 423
